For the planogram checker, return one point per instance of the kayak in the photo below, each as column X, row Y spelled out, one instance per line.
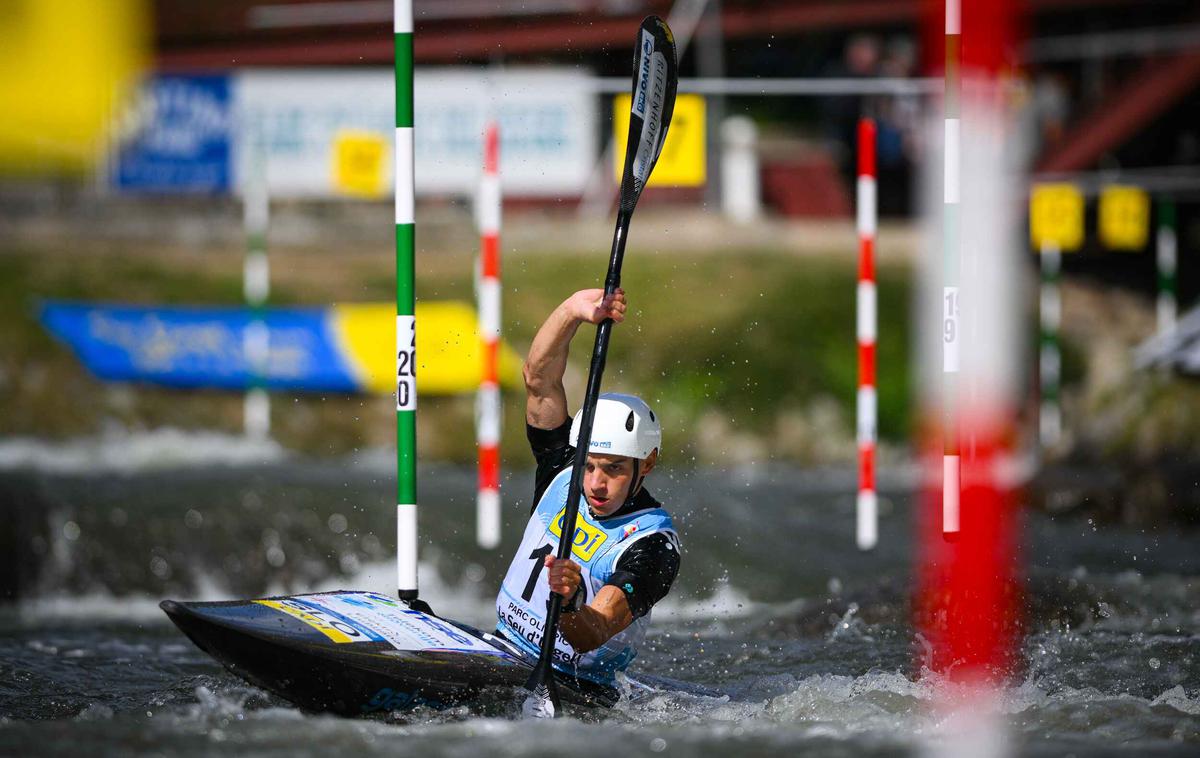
column 358, row 653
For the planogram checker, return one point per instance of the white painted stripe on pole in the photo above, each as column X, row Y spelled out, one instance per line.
column 867, row 522
column 953, row 17
column 406, row 546
column 866, row 206
column 487, row 209
column 1166, row 311
column 256, row 411
column 487, row 518
column 256, row 278
column 1049, row 365
column 950, row 330
column 402, row 19
column 256, row 206
column 1050, row 306
column 950, row 522
column 867, row 413
column 866, row 312
column 404, row 175
column 489, row 308
column 487, row 410
column 406, row 363
column 1049, row 423
column 952, row 167
column 1166, row 250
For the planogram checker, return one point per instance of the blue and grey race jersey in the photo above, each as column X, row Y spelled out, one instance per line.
column 597, row 547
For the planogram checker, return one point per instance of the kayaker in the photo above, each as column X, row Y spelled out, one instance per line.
column 625, row 554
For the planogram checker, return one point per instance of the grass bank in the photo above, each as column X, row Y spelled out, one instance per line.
column 749, row 354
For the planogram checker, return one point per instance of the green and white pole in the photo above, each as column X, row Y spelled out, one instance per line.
column 950, row 272
column 406, row 327
column 256, row 287
column 1166, row 245
column 1049, row 355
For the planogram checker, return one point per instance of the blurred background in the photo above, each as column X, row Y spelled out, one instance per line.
column 176, row 173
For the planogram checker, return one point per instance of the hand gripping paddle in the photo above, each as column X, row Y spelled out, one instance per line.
column 655, row 77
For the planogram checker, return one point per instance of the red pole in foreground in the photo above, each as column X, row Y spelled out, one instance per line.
column 487, row 426
column 867, row 523
column 969, row 592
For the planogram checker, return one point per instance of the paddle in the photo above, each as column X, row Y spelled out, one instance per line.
column 655, row 76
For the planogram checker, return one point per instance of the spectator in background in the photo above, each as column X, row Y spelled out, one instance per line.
column 840, row 113
column 898, row 119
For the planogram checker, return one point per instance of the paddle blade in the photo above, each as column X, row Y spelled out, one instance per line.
column 655, row 79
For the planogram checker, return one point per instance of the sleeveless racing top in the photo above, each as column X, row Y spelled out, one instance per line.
column 597, row 546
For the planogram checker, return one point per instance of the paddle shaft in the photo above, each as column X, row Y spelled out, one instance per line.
column 542, row 673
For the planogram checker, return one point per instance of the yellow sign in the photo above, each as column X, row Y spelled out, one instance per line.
column 360, row 163
column 332, row 628
column 1056, row 216
column 682, row 162
column 1124, row 217
column 67, row 69
column 588, row 538
column 449, row 359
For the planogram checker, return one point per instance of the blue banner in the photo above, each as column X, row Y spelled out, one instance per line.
column 183, row 140
column 202, row 346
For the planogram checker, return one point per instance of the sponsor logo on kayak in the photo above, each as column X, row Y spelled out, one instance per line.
column 588, row 538
column 335, row 629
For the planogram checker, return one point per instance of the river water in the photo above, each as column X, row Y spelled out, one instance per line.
column 806, row 640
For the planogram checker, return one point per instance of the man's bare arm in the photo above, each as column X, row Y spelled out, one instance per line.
column 545, row 396
column 596, row 623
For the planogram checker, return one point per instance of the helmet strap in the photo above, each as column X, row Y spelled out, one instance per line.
column 637, row 479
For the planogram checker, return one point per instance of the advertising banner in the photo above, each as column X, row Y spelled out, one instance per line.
column 178, row 137
column 299, row 118
column 341, row 348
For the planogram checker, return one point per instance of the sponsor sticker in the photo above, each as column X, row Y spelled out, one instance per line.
column 640, row 92
column 588, row 538
column 336, row 629
column 628, row 530
column 386, row 619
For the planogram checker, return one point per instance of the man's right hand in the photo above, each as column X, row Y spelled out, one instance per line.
column 593, row 306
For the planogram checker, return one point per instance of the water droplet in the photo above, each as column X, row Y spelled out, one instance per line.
column 658, row 744
column 70, row 530
column 1154, row 663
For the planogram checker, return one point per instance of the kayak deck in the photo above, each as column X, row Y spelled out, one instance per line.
column 356, row 653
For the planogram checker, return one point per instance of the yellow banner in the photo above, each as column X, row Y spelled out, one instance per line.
column 682, row 162
column 67, row 68
column 449, row 355
column 1124, row 217
column 1056, row 216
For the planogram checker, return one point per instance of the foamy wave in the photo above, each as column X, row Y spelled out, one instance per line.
column 122, row 451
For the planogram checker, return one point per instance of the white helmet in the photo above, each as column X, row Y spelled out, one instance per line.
column 623, row 425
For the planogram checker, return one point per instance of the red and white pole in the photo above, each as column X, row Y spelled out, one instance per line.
column 487, row 412
column 867, row 520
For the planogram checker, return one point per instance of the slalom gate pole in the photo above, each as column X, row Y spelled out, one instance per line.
column 1166, row 252
column 867, row 520
column 950, row 271
column 487, row 415
column 966, row 607
column 256, row 288
column 1049, row 354
column 406, row 327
